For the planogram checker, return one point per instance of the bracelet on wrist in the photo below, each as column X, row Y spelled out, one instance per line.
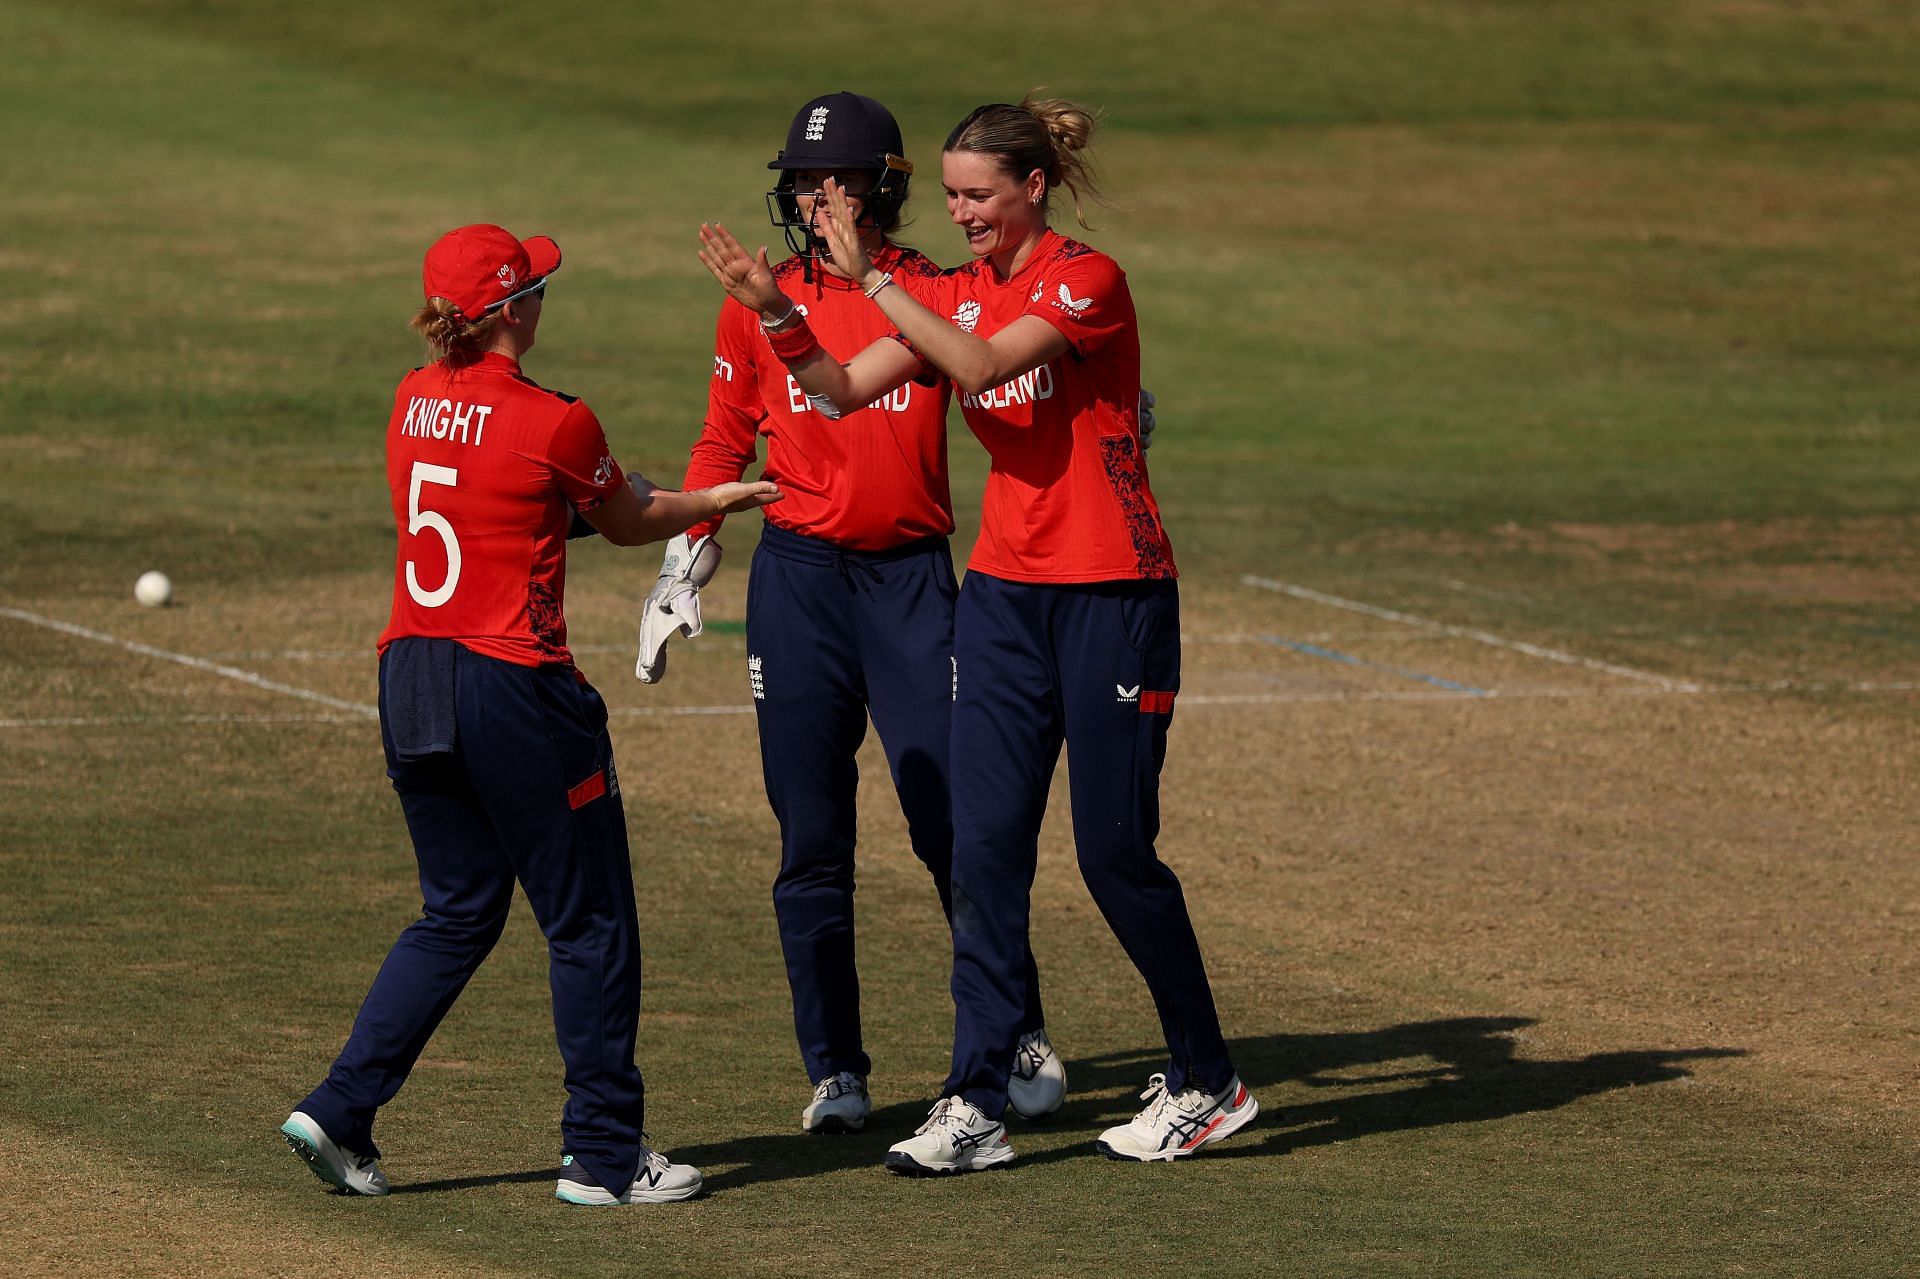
column 770, row 324
column 886, row 278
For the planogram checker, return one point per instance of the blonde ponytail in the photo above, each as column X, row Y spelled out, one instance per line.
column 449, row 336
column 1069, row 129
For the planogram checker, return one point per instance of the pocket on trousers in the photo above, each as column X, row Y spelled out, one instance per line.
column 1150, row 623
column 1140, row 619
column 575, row 721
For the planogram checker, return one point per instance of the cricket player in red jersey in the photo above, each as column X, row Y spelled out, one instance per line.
column 849, row 601
column 1067, row 628
column 494, row 740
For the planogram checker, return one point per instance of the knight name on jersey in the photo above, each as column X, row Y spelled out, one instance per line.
column 445, row 419
column 1036, row 384
column 895, row 401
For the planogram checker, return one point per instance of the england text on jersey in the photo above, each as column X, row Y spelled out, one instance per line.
column 1067, row 496
column 898, row 400
column 869, row 480
column 1035, row 384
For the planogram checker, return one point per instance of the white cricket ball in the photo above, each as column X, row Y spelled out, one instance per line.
column 153, row 589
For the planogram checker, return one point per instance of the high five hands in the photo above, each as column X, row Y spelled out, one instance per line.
column 747, row 280
column 842, row 234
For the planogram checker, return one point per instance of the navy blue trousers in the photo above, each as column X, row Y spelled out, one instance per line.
column 528, row 793
column 833, row 636
column 1095, row 666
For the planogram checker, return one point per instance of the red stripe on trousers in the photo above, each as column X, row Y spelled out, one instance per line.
column 588, row 791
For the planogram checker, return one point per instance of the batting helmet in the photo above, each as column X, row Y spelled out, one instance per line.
column 843, row 132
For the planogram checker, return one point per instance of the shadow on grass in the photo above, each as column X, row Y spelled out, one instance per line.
column 1476, row 1077
column 472, row 1183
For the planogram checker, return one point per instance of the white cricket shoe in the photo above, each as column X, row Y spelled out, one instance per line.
column 839, row 1104
column 1038, row 1083
column 955, row 1138
column 1175, row 1125
column 355, row 1174
column 659, row 1181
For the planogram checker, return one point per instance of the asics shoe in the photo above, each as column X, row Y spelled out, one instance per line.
column 658, row 1181
column 1175, row 1125
column 839, row 1104
column 355, row 1174
column 1038, row 1083
column 955, row 1138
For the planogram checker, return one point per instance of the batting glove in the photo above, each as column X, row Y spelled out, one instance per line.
column 674, row 602
column 1146, row 419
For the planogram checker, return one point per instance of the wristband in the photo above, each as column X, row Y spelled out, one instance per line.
column 794, row 345
column 886, row 278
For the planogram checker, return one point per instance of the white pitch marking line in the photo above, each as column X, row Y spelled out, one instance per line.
column 104, row 721
column 1311, row 637
column 1563, row 694
column 1462, row 632
column 197, row 663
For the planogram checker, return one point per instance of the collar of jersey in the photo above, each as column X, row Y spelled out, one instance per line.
column 1042, row 252
column 495, row 362
column 886, row 259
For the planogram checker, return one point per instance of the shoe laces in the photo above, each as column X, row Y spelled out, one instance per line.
column 945, row 1114
column 1189, row 1100
column 839, row 1086
column 650, row 1157
column 1157, row 1098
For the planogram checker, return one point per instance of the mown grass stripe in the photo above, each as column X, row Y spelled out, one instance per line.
column 1463, row 632
column 183, row 659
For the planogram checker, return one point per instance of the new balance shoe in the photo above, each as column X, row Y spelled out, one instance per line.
column 1038, row 1083
column 957, row 1137
column 1175, row 1125
column 355, row 1174
column 840, row 1104
column 659, row 1181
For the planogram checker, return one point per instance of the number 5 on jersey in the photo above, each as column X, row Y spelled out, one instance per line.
column 419, row 518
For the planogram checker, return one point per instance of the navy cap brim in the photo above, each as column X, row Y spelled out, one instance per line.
column 825, row 162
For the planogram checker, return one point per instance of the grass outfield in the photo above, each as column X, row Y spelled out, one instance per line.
column 1539, row 387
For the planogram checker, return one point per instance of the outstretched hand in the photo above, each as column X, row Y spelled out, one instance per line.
column 744, row 497
column 747, row 280
column 843, row 234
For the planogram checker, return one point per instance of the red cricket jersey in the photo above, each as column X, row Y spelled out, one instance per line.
column 486, row 468
column 1067, row 497
column 873, row 480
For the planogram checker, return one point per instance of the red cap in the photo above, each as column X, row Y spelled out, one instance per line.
column 478, row 267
